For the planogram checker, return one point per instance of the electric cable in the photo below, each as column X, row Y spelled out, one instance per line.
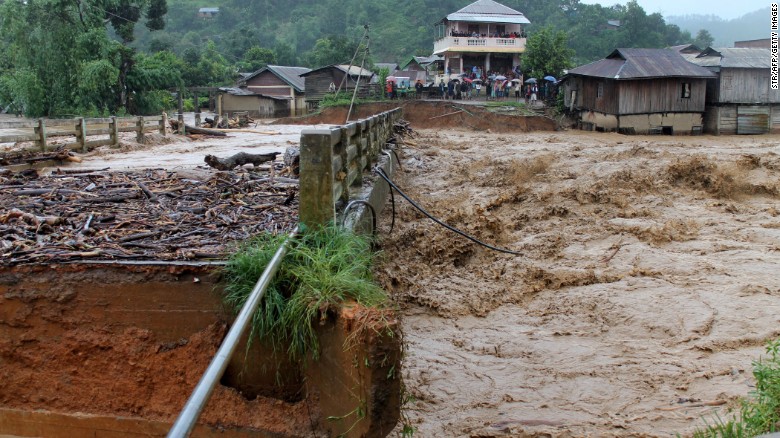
column 360, row 202
column 382, row 173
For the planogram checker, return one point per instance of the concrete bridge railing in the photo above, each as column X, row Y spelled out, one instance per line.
column 333, row 162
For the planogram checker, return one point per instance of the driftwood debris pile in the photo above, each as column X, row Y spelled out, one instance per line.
column 189, row 129
column 149, row 215
column 61, row 154
column 239, row 159
column 401, row 129
column 236, row 122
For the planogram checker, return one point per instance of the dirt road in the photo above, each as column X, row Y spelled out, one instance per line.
column 646, row 286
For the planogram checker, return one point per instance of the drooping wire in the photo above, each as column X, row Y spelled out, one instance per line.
column 352, row 61
column 360, row 74
column 384, row 176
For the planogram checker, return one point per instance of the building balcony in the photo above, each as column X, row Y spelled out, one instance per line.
column 479, row 44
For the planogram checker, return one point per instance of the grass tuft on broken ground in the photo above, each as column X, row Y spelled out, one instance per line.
column 759, row 413
column 323, row 268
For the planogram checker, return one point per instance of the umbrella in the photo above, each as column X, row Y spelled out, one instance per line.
column 467, row 80
column 550, row 78
column 391, row 79
column 478, row 81
column 491, row 77
column 530, row 81
column 500, row 78
column 515, row 80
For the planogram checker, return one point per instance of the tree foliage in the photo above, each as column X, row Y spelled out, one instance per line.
column 98, row 58
column 703, row 39
column 547, row 53
column 75, row 65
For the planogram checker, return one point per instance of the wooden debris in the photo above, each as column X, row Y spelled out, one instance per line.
column 239, row 159
column 60, row 154
column 56, row 218
column 292, row 160
column 236, row 122
column 194, row 130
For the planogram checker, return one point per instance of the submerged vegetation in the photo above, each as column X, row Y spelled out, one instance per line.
column 323, row 269
column 760, row 413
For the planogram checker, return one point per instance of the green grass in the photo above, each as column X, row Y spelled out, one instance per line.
column 760, row 413
column 344, row 98
column 322, row 269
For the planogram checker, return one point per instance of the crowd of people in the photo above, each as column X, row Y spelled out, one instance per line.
column 476, row 84
column 457, row 33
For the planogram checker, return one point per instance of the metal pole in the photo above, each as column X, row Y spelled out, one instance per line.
column 197, row 401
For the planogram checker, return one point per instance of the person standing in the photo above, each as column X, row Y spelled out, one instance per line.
column 477, row 87
column 418, row 88
column 517, row 90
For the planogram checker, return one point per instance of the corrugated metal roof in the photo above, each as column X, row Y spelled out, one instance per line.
column 290, row 75
column 211, row 10
column 488, row 7
column 354, row 71
column 236, row 91
column 686, row 48
column 239, row 91
column 731, row 57
column 642, row 64
column 390, row 66
column 488, row 11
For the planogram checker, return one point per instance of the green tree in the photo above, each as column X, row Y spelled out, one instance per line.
column 547, row 53
column 703, row 39
column 285, row 54
column 256, row 58
column 331, row 50
column 76, row 64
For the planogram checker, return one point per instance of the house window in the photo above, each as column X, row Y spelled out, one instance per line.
column 600, row 90
column 685, row 90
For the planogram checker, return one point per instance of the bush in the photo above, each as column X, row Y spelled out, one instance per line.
column 322, row 269
column 759, row 414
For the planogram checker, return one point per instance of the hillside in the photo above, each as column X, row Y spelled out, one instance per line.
column 398, row 29
column 751, row 26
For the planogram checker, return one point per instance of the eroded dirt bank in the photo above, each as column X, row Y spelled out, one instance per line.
column 646, row 286
column 433, row 114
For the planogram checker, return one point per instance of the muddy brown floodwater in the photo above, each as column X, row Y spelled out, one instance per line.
column 647, row 281
column 646, row 286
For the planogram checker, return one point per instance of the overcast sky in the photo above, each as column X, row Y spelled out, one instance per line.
column 726, row 9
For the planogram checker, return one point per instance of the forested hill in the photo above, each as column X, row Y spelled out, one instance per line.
column 751, row 26
column 299, row 32
column 104, row 57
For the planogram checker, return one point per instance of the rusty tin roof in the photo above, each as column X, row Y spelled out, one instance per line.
column 624, row 64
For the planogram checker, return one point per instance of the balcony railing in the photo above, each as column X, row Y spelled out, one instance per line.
column 462, row 44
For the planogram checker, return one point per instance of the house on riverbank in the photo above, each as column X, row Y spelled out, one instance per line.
column 343, row 78
column 484, row 34
column 740, row 100
column 638, row 91
column 280, row 82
